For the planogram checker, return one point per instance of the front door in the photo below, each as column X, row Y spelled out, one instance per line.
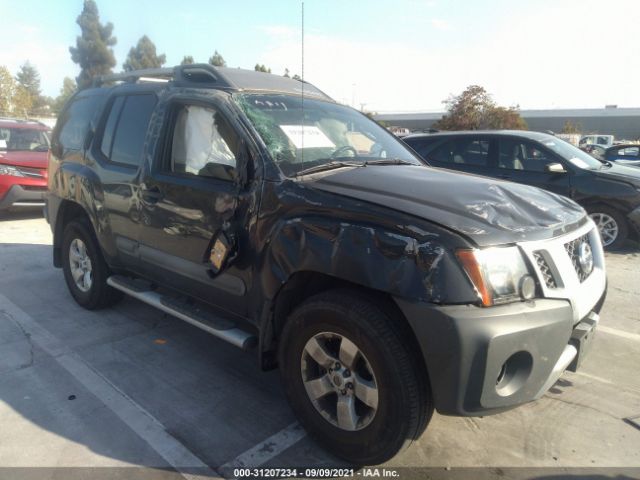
column 188, row 199
column 523, row 161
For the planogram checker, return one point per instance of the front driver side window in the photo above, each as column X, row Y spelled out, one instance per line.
column 517, row 154
column 204, row 143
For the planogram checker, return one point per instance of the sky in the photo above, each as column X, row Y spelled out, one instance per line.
column 382, row 56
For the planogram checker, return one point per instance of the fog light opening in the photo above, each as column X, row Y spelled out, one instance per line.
column 514, row 373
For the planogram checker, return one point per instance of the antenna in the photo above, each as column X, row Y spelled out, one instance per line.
column 302, row 91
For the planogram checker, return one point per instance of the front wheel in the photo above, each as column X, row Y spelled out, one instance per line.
column 352, row 377
column 612, row 226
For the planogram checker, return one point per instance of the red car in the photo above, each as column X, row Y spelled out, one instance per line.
column 24, row 147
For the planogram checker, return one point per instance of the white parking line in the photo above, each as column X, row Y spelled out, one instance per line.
column 265, row 451
column 131, row 413
column 619, row 333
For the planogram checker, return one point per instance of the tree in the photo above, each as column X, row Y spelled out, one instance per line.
column 29, row 78
column 93, row 50
column 216, row 60
column 187, row 60
column 570, row 127
column 474, row 109
column 67, row 90
column 22, row 102
column 286, row 73
column 7, row 89
column 143, row 55
column 297, row 77
column 261, row 68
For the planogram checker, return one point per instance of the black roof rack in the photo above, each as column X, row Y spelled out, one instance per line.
column 200, row 74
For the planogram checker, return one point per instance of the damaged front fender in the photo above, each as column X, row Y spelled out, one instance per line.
column 405, row 260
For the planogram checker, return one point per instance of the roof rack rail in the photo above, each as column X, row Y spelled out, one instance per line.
column 196, row 74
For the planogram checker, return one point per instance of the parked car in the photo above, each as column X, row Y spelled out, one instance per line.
column 23, row 163
column 628, row 154
column 604, row 140
column 596, row 151
column 235, row 200
column 609, row 192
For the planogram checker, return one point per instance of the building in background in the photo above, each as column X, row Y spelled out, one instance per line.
column 623, row 123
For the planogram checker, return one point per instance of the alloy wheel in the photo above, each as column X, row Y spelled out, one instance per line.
column 339, row 381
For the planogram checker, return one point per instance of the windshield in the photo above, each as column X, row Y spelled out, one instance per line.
column 23, row 139
column 572, row 154
column 328, row 134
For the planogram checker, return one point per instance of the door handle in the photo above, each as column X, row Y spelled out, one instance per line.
column 151, row 195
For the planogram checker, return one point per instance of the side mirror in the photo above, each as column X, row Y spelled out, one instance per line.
column 554, row 168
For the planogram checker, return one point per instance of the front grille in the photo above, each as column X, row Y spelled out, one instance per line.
column 547, row 276
column 34, row 188
column 572, row 251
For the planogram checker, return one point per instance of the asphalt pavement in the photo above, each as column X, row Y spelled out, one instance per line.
column 133, row 387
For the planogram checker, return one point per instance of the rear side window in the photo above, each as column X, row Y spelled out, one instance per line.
column 466, row 151
column 74, row 123
column 628, row 152
column 126, row 129
column 110, row 127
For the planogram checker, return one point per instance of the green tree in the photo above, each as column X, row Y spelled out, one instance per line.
column 261, row 68
column 29, row 78
column 217, row 60
column 187, row 60
column 7, row 89
column 93, row 52
column 474, row 109
column 570, row 127
column 67, row 90
column 286, row 73
column 297, row 77
column 143, row 55
column 22, row 102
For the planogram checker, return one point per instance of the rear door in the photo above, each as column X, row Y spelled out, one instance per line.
column 525, row 161
column 466, row 153
column 118, row 152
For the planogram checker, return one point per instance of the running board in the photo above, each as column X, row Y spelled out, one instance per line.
column 190, row 313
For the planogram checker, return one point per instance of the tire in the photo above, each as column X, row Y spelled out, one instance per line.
column 94, row 294
column 610, row 219
column 403, row 402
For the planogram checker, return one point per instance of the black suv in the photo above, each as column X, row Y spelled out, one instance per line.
column 259, row 210
column 609, row 192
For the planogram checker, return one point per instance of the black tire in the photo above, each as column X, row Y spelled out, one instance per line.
column 404, row 400
column 620, row 220
column 99, row 295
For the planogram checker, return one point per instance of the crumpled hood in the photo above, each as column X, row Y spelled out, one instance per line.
column 24, row 159
column 489, row 211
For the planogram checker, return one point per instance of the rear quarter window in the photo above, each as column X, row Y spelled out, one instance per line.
column 74, row 123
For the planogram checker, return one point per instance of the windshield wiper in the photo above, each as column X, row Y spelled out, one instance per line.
column 328, row 166
column 389, row 161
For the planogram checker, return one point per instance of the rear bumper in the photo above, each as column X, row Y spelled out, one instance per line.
column 23, row 196
column 486, row 360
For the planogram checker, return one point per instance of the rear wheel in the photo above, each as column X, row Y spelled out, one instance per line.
column 352, row 378
column 612, row 226
column 85, row 270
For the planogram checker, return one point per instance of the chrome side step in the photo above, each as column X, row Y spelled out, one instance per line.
column 197, row 317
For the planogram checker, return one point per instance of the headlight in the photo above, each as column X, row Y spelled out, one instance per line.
column 11, row 171
column 499, row 275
